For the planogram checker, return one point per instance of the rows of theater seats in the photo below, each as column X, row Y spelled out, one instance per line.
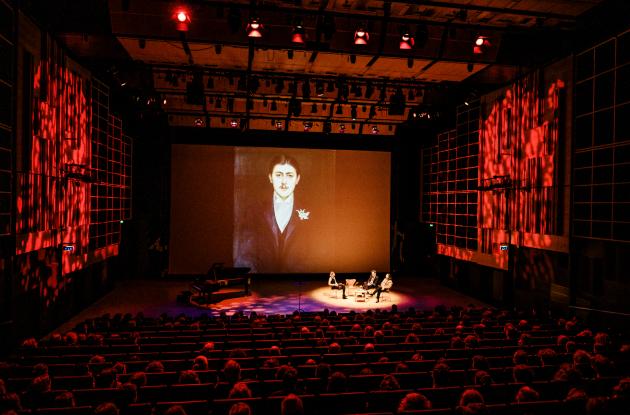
column 386, row 362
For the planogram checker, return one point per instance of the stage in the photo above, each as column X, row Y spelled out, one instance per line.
column 268, row 296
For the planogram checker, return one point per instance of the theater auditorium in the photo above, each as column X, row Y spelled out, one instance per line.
column 304, row 207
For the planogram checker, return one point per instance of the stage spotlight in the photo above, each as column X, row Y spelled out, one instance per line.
column 298, row 35
column 482, row 43
column 406, row 40
column 353, row 112
column 319, row 88
column 234, row 123
column 308, row 125
column 198, row 122
column 361, row 36
column 182, row 19
column 279, row 125
column 254, row 27
column 375, row 129
column 274, row 106
column 164, row 101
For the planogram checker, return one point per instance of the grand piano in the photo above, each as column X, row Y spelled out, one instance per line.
column 221, row 279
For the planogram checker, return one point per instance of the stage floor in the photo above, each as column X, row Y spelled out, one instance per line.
column 269, row 296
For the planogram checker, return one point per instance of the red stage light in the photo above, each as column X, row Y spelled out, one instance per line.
column 406, row 42
column 481, row 44
column 298, row 35
column 182, row 20
column 361, row 36
column 234, row 123
column 254, row 28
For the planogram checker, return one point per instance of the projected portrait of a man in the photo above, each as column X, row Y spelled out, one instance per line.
column 277, row 233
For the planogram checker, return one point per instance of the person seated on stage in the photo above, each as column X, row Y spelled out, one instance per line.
column 386, row 284
column 372, row 281
column 332, row 282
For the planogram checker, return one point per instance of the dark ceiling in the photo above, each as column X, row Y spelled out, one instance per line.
column 213, row 74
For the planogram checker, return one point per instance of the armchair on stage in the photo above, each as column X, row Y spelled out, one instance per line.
column 221, row 283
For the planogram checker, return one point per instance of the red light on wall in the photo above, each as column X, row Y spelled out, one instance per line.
column 481, row 44
column 406, row 41
column 182, row 20
column 298, row 35
column 361, row 36
column 254, row 28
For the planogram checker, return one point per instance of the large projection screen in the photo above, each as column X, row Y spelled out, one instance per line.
column 278, row 210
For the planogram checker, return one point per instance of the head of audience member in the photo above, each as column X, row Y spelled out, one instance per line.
column 414, row 402
column 237, row 353
column 65, row 400
column 200, row 363
column 40, row 384
column 440, row 375
column 389, row 382
column 457, row 343
column 412, row 338
column 292, row 405
column 379, row 337
column 567, row 373
column 107, row 408
column 582, row 363
column 523, row 374
column 275, row 351
column 119, row 368
column 576, row 399
column 130, row 393
column 232, row 371
column 526, row 394
column 416, row 357
column 175, row 410
column 207, row 348
column 570, row 346
column 470, row 396
column 240, row 390
column 334, row 348
column 483, row 378
column 401, row 367
column 602, row 366
column 368, row 348
column 40, row 369
column 323, row 371
column 337, row 383
column 71, row 338
column 154, row 367
column 524, row 339
column 189, row 377
column 240, row 408
column 547, row 357
column 366, row 371
column 622, row 390
column 510, row 331
column 138, row 378
column 31, row 343
column 471, row 341
column 520, row 357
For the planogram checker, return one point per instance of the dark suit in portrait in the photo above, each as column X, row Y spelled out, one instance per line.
column 270, row 250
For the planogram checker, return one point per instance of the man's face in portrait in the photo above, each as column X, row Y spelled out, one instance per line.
column 284, row 178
